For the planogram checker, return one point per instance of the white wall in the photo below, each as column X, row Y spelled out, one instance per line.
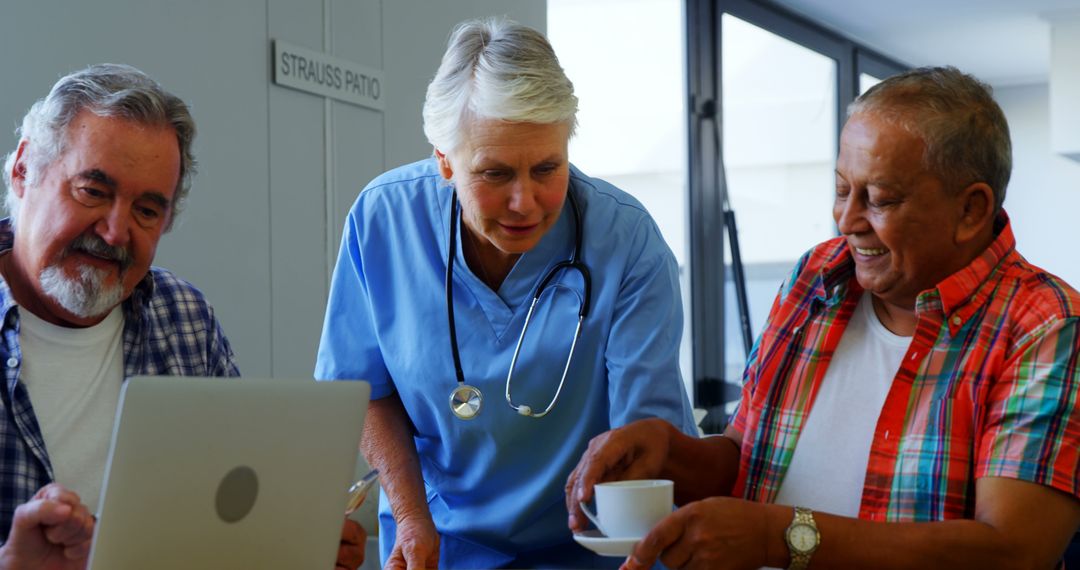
column 278, row 168
column 1043, row 198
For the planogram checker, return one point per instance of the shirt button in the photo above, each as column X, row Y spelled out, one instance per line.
column 956, row 321
column 12, row 362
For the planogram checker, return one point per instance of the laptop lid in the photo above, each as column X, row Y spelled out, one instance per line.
column 228, row 473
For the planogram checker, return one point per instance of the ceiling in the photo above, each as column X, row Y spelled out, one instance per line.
column 1003, row 42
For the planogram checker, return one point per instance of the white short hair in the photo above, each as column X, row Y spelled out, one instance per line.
column 495, row 68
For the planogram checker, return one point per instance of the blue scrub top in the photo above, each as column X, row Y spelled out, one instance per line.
column 495, row 483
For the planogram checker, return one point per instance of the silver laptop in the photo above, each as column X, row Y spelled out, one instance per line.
column 228, row 473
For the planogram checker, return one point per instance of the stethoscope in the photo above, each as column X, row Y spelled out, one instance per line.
column 465, row 399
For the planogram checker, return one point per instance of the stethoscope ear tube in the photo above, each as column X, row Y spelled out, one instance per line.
column 586, row 278
column 586, row 303
column 578, row 260
column 450, row 292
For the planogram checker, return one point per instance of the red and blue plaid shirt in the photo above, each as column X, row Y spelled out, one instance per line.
column 988, row 386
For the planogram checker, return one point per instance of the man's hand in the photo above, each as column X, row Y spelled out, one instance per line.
column 350, row 554
column 52, row 531
column 417, row 544
column 634, row 451
column 712, row 533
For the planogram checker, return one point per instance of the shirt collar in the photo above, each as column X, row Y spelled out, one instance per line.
column 7, row 240
column 966, row 291
column 837, row 274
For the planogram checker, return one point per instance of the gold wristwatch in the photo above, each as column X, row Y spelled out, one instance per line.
column 802, row 538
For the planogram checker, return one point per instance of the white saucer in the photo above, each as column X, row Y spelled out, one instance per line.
column 595, row 541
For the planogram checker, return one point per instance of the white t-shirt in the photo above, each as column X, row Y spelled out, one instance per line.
column 74, row 376
column 828, row 467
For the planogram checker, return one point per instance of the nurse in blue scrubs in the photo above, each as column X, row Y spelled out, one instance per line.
column 440, row 265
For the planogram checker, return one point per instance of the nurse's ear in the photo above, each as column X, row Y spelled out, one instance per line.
column 444, row 165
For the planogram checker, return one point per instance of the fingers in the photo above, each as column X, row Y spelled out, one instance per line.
column 52, row 504
column 353, row 533
column 78, row 551
column 53, row 523
column 598, row 460
column 593, row 468
column 396, row 561
column 681, row 552
column 610, row 456
column 412, row 555
column 576, row 522
column 417, row 558
column 417, row 543
column 39, row 512
column 74, row 529
column 351, row 549
column 349, row 556
column 666, row 533
column 77, row 527
column 59, row 493
column 60, row 510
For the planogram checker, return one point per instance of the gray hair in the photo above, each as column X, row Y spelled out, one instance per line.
column 496, row 69
column 107, row 90
column 964, row 130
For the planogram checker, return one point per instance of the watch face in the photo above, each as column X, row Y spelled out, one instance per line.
column 803, row 537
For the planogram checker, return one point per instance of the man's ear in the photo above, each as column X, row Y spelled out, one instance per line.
column 977, row 212
column 18, row 169
column 445, row 169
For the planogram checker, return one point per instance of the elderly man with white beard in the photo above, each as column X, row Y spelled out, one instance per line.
column 102, row 168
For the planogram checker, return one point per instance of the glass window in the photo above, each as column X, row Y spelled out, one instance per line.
column 632, row 114
column 779, row 117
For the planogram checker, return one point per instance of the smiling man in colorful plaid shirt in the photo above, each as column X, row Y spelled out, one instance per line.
column 102, row 167
column 914, row 393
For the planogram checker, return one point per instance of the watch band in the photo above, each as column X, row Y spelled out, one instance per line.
column 800, row 558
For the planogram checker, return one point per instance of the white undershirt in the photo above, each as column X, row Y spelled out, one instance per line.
column 828, row 467
column 74, row 377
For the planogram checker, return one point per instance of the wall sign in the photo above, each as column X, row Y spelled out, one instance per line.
column 326, row 75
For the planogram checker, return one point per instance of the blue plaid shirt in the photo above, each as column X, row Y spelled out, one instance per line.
column 169, row 329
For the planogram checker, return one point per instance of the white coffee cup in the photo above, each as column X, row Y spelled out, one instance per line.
column 630, row 509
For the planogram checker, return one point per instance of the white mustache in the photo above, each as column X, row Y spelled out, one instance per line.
column 94, row 245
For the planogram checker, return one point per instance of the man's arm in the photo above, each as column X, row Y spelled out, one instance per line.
column 1017, row 525
column 388, row 446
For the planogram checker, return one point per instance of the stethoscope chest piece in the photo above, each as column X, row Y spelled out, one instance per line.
column 465, row 401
